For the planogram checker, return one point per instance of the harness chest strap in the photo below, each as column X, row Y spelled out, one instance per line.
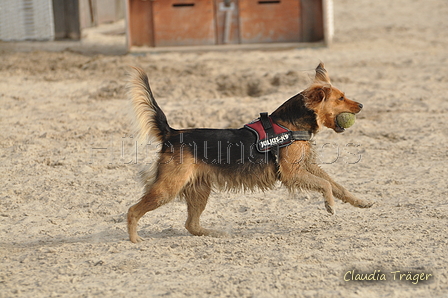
column 301, row 135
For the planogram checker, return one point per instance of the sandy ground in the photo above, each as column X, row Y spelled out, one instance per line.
column 69, row 174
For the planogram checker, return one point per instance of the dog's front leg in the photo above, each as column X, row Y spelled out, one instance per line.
column 307, row 180
column 338, row 190
column 303, row 179
column 293, row 169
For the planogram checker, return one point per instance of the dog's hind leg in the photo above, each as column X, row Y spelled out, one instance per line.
column 338, row 190
column 196, row 195
column 155, row 197
column 169, row 182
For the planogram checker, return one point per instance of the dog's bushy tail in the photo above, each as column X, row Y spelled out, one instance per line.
column 149, row 118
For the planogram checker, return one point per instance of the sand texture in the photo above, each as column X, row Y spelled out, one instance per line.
column 69, row 164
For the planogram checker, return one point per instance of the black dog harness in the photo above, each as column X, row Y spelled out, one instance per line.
column 272, row 136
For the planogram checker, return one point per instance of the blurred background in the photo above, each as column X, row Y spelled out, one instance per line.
column 137, row 23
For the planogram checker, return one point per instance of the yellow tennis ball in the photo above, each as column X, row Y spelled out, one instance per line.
column 345, row 120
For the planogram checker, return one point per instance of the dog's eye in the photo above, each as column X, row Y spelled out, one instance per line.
column 341, row 98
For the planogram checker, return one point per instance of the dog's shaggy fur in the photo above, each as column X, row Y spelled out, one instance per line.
column 193, row 162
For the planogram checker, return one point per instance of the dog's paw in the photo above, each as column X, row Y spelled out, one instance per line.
column 136, row 239
column 364, row 204
column 329, row 208
column 208, row 232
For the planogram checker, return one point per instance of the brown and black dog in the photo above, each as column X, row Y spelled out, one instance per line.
column 193, row 162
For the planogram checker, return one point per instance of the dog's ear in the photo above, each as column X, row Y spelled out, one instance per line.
column 321, row 75
column 320, row 90
column 326, row 92
column 317, row 94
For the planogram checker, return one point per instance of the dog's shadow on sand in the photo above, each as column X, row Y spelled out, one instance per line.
column 107, row 236
column 99, row 237
column 147, row 232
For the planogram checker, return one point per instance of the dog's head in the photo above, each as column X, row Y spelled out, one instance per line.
column 327, row 101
